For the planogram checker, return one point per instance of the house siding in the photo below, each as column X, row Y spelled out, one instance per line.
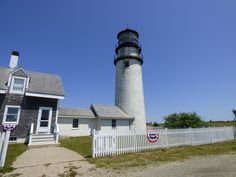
column 86, row 125
column 105, row 124
column 29, row 112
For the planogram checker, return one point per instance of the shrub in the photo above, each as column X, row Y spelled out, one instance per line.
column 155, row 124
column 183, row 120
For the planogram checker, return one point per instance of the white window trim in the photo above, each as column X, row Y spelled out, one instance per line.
column 39, row 117
column 11, row 75
column 3, row 91
column 43, row 95
column 5, row 114
column 75, row 128
column 12, row 83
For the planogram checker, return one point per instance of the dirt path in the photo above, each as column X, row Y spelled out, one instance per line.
column 207, row 166
column 61, row 162
column 49, row 161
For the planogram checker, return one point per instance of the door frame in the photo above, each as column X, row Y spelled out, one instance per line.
column 49, row 119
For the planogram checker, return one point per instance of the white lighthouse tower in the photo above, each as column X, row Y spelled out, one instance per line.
column 129, row 82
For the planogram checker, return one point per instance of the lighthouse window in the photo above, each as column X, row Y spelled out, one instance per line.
column 126, row 64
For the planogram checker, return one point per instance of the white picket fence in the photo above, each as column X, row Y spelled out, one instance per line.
column 119, row 142
column 4, row 138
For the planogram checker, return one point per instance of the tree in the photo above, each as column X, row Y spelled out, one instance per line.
column 155, row 124
column 234, row 112
column 183, row 120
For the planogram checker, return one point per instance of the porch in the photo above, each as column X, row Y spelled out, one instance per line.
column 43, row 138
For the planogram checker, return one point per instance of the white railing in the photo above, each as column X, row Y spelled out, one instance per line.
column 2, row 135
column 119, row 142
column 31, row 133
column 56, row 132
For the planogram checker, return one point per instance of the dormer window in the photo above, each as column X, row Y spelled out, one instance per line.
column 18, row 85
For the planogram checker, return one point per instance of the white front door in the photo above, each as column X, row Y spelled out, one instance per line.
column 44, row 120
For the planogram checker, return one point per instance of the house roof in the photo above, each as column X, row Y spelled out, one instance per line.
column 4, row 73
column 75, row 112
column 40, row 83
column 95, row 111
column 108, row 111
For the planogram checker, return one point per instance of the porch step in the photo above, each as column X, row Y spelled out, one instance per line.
column 44, row 143
column 42, row 136
column 42, row 139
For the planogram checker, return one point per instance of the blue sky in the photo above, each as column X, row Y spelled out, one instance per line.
column 189, row 50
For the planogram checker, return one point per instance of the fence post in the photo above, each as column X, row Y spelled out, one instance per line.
column 135, row 141
column 166, row 131
column 93, row 143
column 4, row 149
column 191, row 135
column 226, row 131
column 211, row 135
column 113, row 142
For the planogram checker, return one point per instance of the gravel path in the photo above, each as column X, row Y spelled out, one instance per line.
column 211, row 166
column 207, row 166
column 61, row 162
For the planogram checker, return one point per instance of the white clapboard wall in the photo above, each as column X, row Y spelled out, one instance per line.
column 117, row 142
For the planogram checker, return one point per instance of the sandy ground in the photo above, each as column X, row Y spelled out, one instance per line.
column 58, row 161
column 207, row 166
column 49, row 162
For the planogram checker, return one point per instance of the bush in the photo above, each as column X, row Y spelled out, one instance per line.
column 183, row 120
column 155, row 124
column 234, row 112
column 149, row 123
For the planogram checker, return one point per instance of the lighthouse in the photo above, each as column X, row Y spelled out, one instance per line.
column 129, row 82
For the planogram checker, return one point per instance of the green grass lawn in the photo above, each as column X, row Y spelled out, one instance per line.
column 13, row 151
column 221, row 124
column 163, row 155
column 82, row 145
column 213, row 124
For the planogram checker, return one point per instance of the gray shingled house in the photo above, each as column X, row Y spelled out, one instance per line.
column 30, row 100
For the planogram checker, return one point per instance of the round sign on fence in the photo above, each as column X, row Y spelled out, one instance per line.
column 9, row 127
column 152, row 137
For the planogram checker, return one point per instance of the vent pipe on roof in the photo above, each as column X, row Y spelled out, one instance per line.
column 14, row 59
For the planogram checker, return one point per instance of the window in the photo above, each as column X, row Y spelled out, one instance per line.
column 18, row 85
column 13, row 138
column 11, row 114
column 45, row 115
column 75, row 123
column 113, row 123
column 126, row 64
